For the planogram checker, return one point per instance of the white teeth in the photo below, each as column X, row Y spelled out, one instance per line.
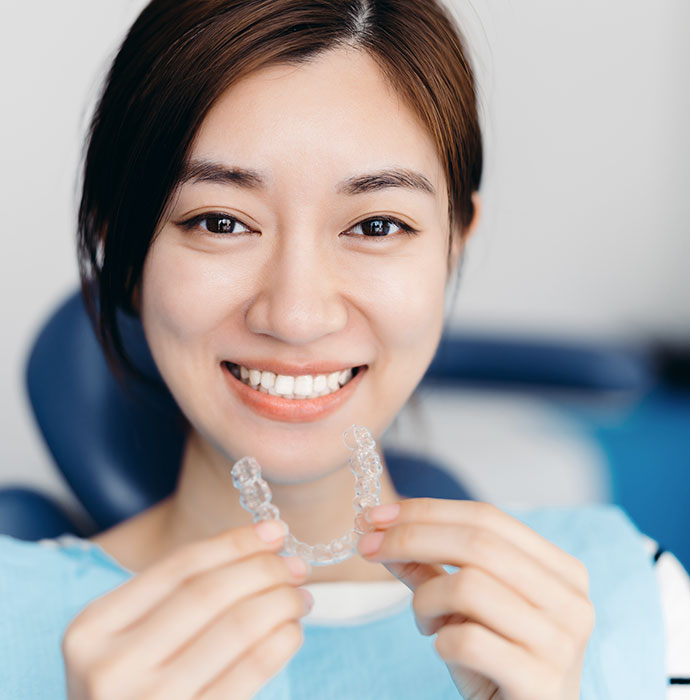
column 284, row 385
column 332, row 381
column 301, row 387
column 267, row 380
column 304, row 385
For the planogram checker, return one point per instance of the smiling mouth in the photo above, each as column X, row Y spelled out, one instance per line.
column 299, row 387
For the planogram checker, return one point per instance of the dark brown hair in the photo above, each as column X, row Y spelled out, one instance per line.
column 181, row 55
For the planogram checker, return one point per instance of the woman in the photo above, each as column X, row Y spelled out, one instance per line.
column 280, row 190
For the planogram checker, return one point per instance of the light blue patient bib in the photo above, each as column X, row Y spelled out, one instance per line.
column 41, row 590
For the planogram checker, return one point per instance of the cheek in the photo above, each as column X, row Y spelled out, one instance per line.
column 406, row 301
column 187, row 295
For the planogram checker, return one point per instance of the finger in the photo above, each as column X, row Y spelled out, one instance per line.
column 479, row 597
column 257, row 666
column 460, row 546
column 229, row 637
column 199, row 600
column 480, row 515
column 414, row 574
column 469, row 648
column 122, row 606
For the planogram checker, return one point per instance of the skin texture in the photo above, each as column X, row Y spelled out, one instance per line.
column 296, row 281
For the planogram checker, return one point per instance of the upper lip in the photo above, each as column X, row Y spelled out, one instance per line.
column 293, row 369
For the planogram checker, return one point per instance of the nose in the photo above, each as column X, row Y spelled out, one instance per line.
column 300, row 298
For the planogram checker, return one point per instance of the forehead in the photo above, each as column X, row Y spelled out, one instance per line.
column 329, row 117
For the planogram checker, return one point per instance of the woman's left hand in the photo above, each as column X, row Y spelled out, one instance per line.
column 514, row 621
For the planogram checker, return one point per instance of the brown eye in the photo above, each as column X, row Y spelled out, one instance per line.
column 377, row 227
column 380, row 227
column 222, row 224
column 216, row 225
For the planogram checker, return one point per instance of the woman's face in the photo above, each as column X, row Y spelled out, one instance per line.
column 267, row 262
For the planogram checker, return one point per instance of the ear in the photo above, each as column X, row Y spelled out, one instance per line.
column 461, row 237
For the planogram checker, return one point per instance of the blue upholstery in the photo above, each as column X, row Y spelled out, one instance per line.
column 30, row 515
column 540, row 363
column 117, row 449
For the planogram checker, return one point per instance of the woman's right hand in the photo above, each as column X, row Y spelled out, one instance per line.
column 215, row 619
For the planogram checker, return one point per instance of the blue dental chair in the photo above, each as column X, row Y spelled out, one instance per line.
column 118, row 447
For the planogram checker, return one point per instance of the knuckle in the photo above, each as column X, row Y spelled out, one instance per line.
column 582, row 574
column 293, row 636
column 479, row 544
column 73, row 642
column 546, row 683
column 459, row 641
column 290, row 601
column 578, row 573
column 188, row 558
column 100, row 681
column 261, row 661
column 280, row 645
column 403, row 537
column 202, row 589
column 464, row 585
column 563, row 648
column 586, row 619
column 423, row 508
column 485, row 513
column 280, row 604
column 77, row 645
column 269, row 566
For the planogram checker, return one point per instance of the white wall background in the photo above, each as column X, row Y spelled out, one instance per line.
column 586, row 228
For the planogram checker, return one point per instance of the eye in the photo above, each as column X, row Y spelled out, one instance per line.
column 380, row 227
column 216, row 224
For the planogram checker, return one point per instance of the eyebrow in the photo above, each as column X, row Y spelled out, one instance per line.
column 209, row 171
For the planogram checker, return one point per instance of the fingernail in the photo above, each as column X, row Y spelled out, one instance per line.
column 271, row 530
column 382, row 514
column 369, row 543
column 298, row 567
column 308, row 600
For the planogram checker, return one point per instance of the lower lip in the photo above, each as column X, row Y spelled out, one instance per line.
column 292, row 410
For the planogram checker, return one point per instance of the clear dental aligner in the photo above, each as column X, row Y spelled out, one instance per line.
column 365, row 464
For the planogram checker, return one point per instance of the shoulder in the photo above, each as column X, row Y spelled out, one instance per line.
column 629, row 571
column 60, row 574
column 601, row 535
column 579, row 524
column 43, row 586
column 626, row 648
column 19, row 558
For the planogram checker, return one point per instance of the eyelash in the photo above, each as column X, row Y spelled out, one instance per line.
column 194, row 222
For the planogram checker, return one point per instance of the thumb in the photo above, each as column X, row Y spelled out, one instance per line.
column 413, row 573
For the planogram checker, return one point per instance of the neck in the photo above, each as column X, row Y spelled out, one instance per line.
column 206, row 503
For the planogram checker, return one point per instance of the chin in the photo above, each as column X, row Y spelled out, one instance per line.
column 301, row 459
